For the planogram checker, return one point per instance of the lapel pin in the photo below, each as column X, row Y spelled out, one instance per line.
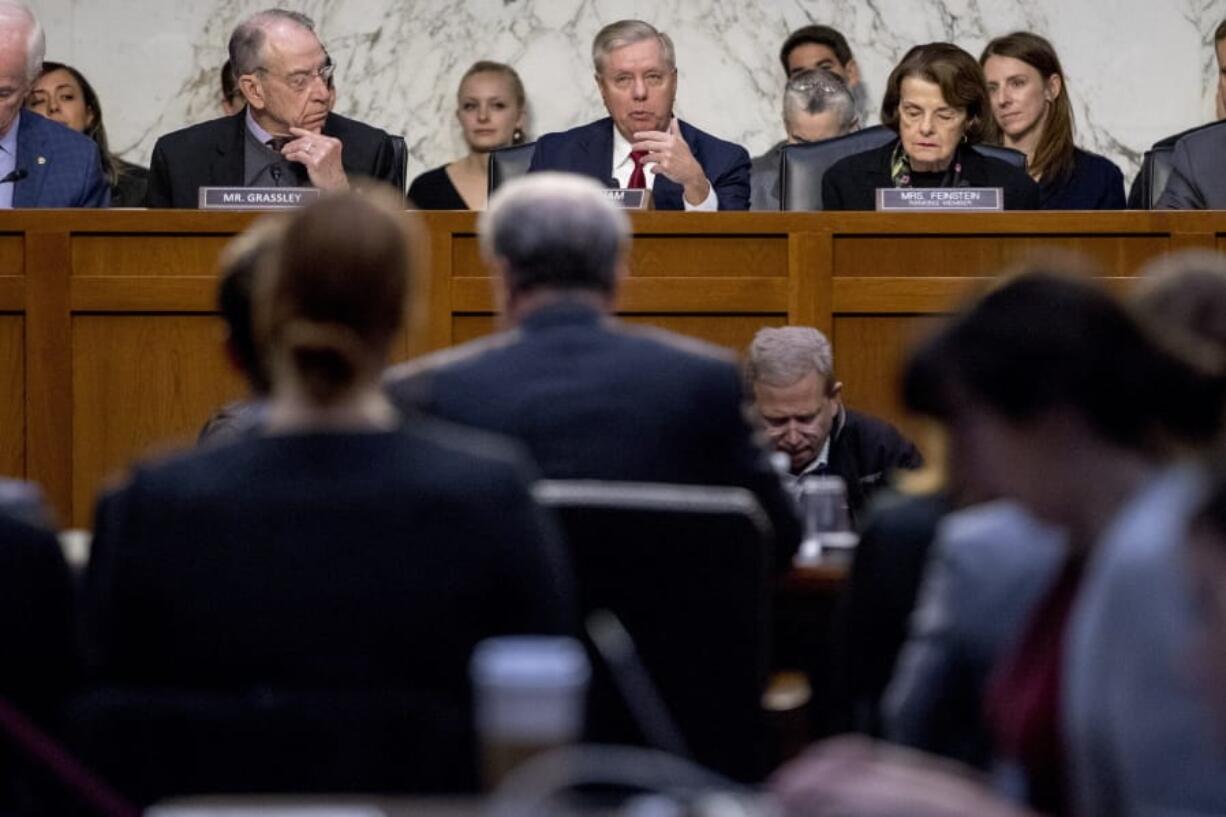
column 42, row 160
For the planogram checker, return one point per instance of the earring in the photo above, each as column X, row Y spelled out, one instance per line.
column 517, row 137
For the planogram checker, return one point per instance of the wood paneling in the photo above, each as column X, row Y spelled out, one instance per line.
column 108, row 346
column 141, row 383
column 869, row 353
column 12, row 396
column 157, row 255
column 982, row 255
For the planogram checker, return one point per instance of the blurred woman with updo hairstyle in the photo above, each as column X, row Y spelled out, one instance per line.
column 492, row 109
column 1031, row 113
column 63, row 94
column 328, row 577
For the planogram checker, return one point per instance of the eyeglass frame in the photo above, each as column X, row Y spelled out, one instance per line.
column 325, row 73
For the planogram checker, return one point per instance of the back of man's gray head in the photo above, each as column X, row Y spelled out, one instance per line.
column 16, row 18
column 781, row 356
column 247, row 41
column 1182, row 297
column 628, row 32
column 555, row 231
column 818, row 90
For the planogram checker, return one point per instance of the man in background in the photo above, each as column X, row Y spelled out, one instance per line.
column 42, row 163
column 286, row 137
column 817, row 105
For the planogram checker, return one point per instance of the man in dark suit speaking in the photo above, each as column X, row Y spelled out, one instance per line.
column 286, row 137
column 641, row 144
column 42, row 163
column 592, row 398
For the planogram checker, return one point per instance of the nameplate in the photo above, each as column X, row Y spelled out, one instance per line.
column 629, row 199
column 965, row 199
column 256, row 198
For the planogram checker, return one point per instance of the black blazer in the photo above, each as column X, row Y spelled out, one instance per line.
column 359, row 564
column 211, row 155
column 593, row 398
column 851, row 183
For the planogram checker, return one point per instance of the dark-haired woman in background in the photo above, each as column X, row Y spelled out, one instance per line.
column 63, row 94
column 491, row 108
column 1031, row 113
column 937, row 102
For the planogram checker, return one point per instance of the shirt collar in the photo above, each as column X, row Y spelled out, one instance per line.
column 259, row 133
column 821, row 462
column 8, row 143
column 621, row 148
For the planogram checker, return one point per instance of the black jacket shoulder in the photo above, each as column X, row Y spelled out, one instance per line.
column 851, row 183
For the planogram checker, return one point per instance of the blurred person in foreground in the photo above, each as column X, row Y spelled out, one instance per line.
column 491, row 107
column 63, row 94
column 1082, row 410
column 42, row 163
column 319, row 586
column 642, row 143
column 937, row 101
column 286, row 135
column 245, row 258
column 1031, row 112
column 592, row 397
column 817, row 105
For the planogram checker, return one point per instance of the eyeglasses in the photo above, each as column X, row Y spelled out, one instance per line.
column 300, row 80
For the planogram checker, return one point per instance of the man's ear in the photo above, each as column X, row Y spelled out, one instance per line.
column 853, row 73
column 836, row 391
column 252, row 91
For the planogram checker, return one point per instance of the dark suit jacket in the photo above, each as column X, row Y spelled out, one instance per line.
column 851, row 183
column 211, row 155
column 865, row 451
column 595, row 399
column 588, row 150
column 1198, row 167
column 363, row 564
column 64, row 168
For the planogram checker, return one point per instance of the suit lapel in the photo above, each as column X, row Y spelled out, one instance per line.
column 597, row 148
column 32, row 159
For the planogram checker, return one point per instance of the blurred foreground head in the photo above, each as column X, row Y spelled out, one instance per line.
column 1048, row 380
column 335, row 296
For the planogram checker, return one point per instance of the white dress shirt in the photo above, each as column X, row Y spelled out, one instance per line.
column 8, row 162
column 623, row 166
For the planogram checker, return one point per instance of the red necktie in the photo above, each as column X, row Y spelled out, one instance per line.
column 638, row 179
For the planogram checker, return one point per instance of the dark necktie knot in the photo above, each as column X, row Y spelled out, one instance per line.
column 277, row 142
column 638, row 179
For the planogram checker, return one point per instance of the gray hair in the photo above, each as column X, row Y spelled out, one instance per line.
column 818, row 90
column 247, row 41
column 628, row 32
column 555, row 231
column 1181, row 296
column 781, row 356
column 13, row 14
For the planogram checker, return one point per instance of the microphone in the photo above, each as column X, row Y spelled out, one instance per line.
column 15, row 175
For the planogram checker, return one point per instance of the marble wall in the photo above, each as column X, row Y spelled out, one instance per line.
column 1137, row 69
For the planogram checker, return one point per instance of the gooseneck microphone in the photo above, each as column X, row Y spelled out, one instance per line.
column 15, row 175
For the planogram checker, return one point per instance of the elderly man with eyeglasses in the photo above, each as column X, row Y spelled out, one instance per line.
column 285, row 137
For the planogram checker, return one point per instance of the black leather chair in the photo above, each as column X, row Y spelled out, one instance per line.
column 1004, row 154
column 509, row 163
column 400, row 163
column 1155, row 170
column 802, row 166
column 687, row 570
